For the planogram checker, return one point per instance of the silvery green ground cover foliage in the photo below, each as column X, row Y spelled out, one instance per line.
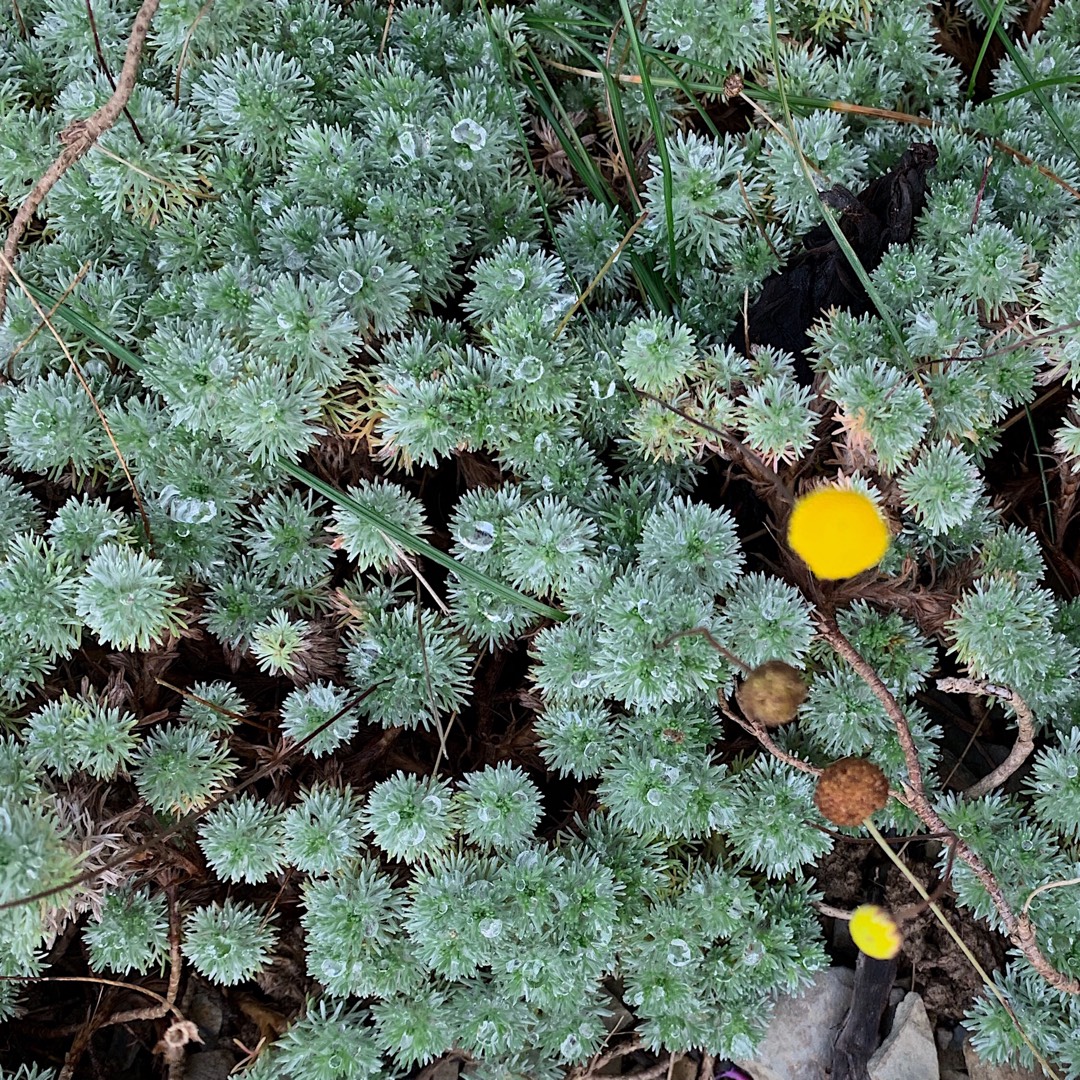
column 334, row 204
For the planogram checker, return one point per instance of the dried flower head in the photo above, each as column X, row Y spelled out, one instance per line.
column 850, row 790
column 771, row 694
column 837, row 532
column 875, row 932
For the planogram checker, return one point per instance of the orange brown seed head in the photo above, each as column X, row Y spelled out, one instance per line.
column 850, row 790
column 771, row 694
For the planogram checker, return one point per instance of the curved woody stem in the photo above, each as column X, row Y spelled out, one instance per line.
column 1019, row 928
column 77, row 138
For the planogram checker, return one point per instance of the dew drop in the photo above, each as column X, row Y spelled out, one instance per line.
column 515, row 279
column 491, row 928
column 413, row 835
column 469, row 133
column 570, row 1048
column 480, row 538
column 679, row 954
column 365, row 655
column 220, row 367
column 193, row 511
column 529, row 370
column 349, row 281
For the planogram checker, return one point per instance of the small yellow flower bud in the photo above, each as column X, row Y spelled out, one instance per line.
column 875, row 932
column 837, row 532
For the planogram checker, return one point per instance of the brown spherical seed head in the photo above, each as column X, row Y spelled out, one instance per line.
column 850, row 790
column 771, row 694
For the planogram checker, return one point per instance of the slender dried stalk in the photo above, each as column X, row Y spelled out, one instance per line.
column 1025, row 723
column 1019, row 928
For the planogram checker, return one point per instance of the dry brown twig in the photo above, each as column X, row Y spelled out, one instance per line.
column 598, row 1061
column 180, row 1032
column 7, row 270
column 653, row 1072
column 1025, row 722
column 77, row 139
column 759, row 732
column 1019, row 928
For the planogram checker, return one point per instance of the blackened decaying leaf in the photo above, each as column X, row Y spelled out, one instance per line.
column 819, row 276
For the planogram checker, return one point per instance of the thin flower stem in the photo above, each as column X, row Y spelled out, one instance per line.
column 1046, row 887
column 917, row 885
column 1018, row 927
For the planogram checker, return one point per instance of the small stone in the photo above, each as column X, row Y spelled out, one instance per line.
column 209, row 1065
column 908, row 1052
column 685, row 1068
column 447, row 1069
column 798, row 1042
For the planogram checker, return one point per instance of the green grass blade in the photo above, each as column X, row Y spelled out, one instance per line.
column 543, row 94
column 657, row 126
column 406, row 540
column 70, row 313
column 991, row 29
column 1047, row 501
column 690, row 90
column 649, row 281
column 834, row 226
column 1030, row 88
column 1029, row 78
column 396, row 533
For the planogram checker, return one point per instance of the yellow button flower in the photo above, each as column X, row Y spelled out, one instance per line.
column 875, row 932
column 837, row 532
